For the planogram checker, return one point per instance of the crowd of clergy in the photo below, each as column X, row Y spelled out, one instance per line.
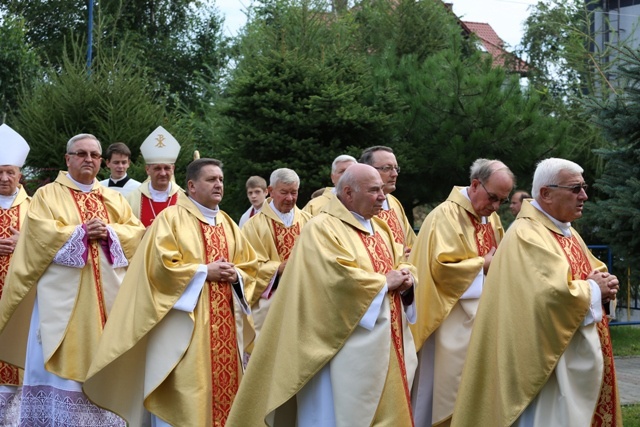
column 145, row 304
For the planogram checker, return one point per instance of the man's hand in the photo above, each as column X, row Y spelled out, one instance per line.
column 96, row 229
column 487, row 260
column 608, row 283
column 399, row 279
column 222, row 271
column 8, row 245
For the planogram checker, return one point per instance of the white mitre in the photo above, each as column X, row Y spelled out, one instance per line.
column 13, row 147
column 160, row 147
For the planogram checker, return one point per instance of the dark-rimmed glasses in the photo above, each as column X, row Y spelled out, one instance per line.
column 575, row 189
column 493, row 198
column 84, row 155
column 387, row 168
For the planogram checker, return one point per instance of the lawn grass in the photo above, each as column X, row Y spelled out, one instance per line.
column 625, row 340
column 631, row 415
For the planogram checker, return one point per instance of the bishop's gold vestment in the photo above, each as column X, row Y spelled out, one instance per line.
column 328, row 285
column 529, row 339
column 171, row 362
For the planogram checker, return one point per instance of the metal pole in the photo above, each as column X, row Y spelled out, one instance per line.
column 90, row 36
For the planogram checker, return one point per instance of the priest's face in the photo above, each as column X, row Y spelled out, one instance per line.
column 387, row 166
column 9, row 179
column 83, row 160
column 563, row 203
column 208, row 189
column 284, row 196
column 368, row 196
column 486, row 197
column 340, row 168
column 160, row 175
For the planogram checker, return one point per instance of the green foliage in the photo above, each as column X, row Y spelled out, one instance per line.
column 18, row 64
column 631, row 415
column 625, row 340
column 617, row 213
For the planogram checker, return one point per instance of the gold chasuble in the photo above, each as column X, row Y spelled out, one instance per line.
column 448, row 254
column 333, row 275
column 145, row 208
column 530, row 353
column 11, row 218
column 183, row 367
column 273, row 242
column 397, row 220
column 73, row 302
column 314, row 206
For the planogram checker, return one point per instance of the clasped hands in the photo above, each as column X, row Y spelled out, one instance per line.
column 399, row 279
column 222, row 271
column 608, row 284
column 96, row 229
column 8, row 245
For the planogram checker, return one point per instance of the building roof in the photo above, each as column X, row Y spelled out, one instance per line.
column 494, row 46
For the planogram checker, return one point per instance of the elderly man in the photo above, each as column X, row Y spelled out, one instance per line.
column 67, row 268
column 160, row 151
column 336, row 349
column 516, row 201
column 174, row 341
column 453, row 253
column 384, row 161
column 540, row 352
column 272, row 233
column 339, row 165
column 118, row 160
column 14, row 203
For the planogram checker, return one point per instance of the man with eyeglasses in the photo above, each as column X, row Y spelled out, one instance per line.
column 159, row 191
column 74, row 247
column 540, row 352
column 384, row 161
column 453, row 253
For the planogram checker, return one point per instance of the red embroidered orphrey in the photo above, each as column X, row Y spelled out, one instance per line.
column 90, row 205
column 485, row 237
column 393, row 222
column 224, row 345
column 285, row 237
column 9, row 374
column 382, row 264
column 605, row 413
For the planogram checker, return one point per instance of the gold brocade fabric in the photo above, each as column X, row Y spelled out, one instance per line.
column 285, row 238
column 530, row 311
column 446, row 256
column 327, row 287
column 11, row 218
column 273, row 242
column 175, row 364
column 607, row 410
column 223, row 341
column 391, row 219
column 485, row 237
column 383, row 263
column 70, row 332
column 397, row 220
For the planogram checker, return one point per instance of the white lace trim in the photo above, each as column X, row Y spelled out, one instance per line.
column 72, row 253
column 115, row 249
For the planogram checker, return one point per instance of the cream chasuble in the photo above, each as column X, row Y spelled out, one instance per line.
column 145, row 208
column 273, row 241
column 11, row 218
column 448, row 255
column 332, row 277
column 529, row 341
column 183, row 367
column 314, row 206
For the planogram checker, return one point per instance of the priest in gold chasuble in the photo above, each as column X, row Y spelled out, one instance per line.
column 540, row 351
column 14, row 203
column 272, row 233
column 171, row 349
column 72, row 252
column 452, row 253
column 339, row 165
column 336, row 349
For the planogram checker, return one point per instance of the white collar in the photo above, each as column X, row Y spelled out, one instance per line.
column 85, row 188
column 286, row 218
column 366, row 223
column 7, row 201
column 209, row 214
column 158, row 195
column 565, row 227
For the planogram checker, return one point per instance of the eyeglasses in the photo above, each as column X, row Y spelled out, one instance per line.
column 494, row 198
column 388, row 168
column 575, row 189
column 84, row 155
